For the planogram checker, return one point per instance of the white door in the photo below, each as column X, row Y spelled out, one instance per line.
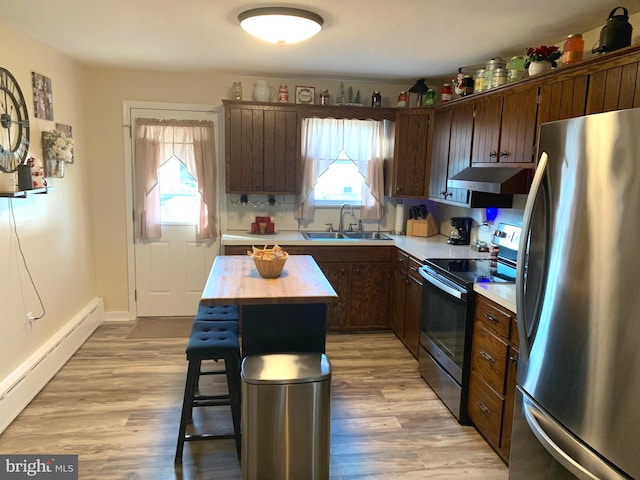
column 170, row 273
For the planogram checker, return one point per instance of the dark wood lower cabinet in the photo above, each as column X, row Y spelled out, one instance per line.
column 338, row 276
column 494, row 359
column 359, row 275
column 406, row 296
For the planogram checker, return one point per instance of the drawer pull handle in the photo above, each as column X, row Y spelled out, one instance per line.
column 491, row 318
column 487, row 357
column 486, row 410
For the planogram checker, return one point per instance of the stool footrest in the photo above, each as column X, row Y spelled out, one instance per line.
column 206, row 436
column 211, row 402
column 214, row 372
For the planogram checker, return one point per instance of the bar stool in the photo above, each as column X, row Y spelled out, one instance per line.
column 217, row 313
column 211, row 341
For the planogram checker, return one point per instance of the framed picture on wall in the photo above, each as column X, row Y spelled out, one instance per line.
column 42, row 96
column 305, row 95
column 66, row 129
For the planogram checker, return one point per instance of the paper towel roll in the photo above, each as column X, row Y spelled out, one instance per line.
column 399, row 223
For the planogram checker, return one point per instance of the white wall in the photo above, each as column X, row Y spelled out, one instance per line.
column 54, row 229
column 74, row 238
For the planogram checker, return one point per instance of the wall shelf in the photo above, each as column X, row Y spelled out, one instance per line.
column 23, row 193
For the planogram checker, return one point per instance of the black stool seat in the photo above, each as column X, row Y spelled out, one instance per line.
column 211, row 341
column 217, row 313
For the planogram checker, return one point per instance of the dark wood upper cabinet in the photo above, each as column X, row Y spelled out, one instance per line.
column 616, row 88
column 460, row 142
column 439, row 153
column 410, row 159
column 505, row 127
column 486, row 136
column 562, row 99
column 262, row 149
column 518, row 126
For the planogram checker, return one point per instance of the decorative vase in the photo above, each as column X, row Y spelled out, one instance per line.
column 536, row 68
column 262, row 91
column 54, row 167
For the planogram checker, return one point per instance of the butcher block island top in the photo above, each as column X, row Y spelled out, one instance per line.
column 234, row 280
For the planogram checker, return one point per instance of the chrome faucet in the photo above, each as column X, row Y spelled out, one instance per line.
column 341, row 223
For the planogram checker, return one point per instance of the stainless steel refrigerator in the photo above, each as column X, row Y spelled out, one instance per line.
column 577, row 412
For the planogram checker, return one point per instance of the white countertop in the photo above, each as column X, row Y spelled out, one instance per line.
column 420, row 248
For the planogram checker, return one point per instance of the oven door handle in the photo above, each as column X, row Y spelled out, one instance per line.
column 442, row 286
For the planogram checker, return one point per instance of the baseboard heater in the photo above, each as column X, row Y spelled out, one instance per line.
column 24, row 383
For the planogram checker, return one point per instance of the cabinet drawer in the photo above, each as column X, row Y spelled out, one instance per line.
column 413, row 269
column 485, row 409
column 489, row 358
column 492, row 317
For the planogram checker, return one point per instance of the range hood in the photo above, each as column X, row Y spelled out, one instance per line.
column 500, row 180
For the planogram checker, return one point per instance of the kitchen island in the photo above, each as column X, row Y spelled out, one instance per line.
column 283, row 314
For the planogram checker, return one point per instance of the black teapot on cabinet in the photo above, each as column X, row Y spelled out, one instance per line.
column 616, row 33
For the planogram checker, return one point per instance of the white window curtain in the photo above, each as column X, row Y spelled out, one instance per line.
column 156, row 141
column 366, row 142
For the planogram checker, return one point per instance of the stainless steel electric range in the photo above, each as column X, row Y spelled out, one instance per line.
column 446, row 316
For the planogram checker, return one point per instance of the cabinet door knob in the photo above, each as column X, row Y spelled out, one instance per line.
column 493, row 154
column 514, row 359
column 398, row 189
column 504, row 154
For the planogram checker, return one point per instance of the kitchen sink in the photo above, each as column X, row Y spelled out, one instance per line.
column 367, row 235
column 345, row 236
column 322, row 235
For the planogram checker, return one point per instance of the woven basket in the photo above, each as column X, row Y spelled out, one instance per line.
column 268, row 263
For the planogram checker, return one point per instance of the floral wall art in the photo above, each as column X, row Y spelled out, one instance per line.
column 42, row 96
column 57, row 149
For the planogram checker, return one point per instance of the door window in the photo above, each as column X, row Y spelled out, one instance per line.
column 178, row 194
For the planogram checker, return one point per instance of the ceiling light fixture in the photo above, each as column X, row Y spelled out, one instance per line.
column 280, row 25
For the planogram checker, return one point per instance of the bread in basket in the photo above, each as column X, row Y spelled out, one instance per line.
column 269, row 260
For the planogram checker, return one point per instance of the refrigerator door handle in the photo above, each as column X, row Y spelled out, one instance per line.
column 572, row 455
column 523, row 326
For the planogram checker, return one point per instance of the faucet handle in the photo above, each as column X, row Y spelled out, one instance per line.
column 351, row 225
column 330, row 226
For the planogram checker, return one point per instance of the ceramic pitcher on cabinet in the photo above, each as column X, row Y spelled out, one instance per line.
column 262, row 91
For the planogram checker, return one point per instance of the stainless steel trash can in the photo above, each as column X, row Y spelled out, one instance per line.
column 286, row 403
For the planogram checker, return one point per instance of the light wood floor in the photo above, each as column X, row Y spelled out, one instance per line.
column 117, row 403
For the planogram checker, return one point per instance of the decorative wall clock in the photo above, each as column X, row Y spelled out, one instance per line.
column 14, row 123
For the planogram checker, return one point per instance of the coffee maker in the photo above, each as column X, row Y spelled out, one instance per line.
column 460, row 231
